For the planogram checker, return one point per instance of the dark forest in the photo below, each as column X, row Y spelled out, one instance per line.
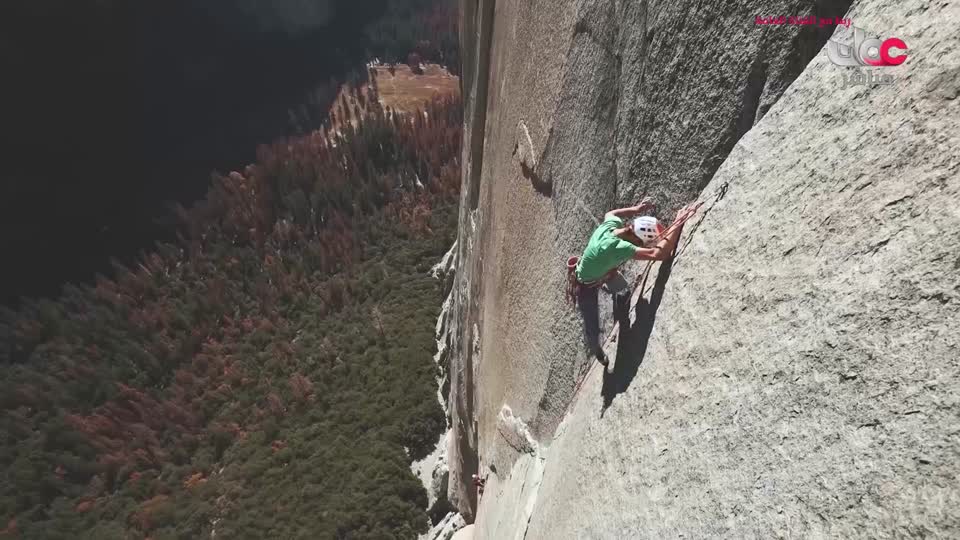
column 113, row 111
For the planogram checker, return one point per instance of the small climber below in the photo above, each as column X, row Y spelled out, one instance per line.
column 480, row 483
column 613, row 243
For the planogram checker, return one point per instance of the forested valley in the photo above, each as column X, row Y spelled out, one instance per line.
column 269, row 374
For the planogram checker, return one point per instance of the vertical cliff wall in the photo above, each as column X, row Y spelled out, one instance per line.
column 794, row 368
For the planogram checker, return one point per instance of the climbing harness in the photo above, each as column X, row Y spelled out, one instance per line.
column 574, row 285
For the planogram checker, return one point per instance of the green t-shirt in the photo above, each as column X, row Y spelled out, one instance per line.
column 605, row 251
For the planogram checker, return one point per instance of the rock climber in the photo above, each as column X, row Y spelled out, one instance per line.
column 480, row 483
column 613, row 243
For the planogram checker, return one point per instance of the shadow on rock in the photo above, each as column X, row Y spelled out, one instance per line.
column 632, row 343
column 542, row 187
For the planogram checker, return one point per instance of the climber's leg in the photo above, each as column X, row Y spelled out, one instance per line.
column 616, row 284
column 619, row 290
column 588, row 304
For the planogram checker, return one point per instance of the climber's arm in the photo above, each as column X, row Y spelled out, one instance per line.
column 663, row 249
column 652, row 254
column 666, row 247
column 623, row 213
column 629, row 211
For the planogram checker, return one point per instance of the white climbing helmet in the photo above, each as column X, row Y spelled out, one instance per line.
column 647, row 228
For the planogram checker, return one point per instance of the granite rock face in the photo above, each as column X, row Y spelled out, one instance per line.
column 796, row 369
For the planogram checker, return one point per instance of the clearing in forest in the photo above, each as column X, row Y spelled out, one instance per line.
column 395, row 86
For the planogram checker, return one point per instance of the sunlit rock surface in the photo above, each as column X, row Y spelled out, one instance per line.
column 795, row 371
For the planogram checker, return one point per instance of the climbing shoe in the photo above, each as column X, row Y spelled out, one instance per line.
column 602, row 358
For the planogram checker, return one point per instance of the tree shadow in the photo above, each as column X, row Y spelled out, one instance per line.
column 632, row 343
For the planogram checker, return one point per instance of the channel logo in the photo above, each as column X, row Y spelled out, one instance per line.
column 867, row 51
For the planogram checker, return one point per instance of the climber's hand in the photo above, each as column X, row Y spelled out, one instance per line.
column 686, row 213
column 645, row 204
